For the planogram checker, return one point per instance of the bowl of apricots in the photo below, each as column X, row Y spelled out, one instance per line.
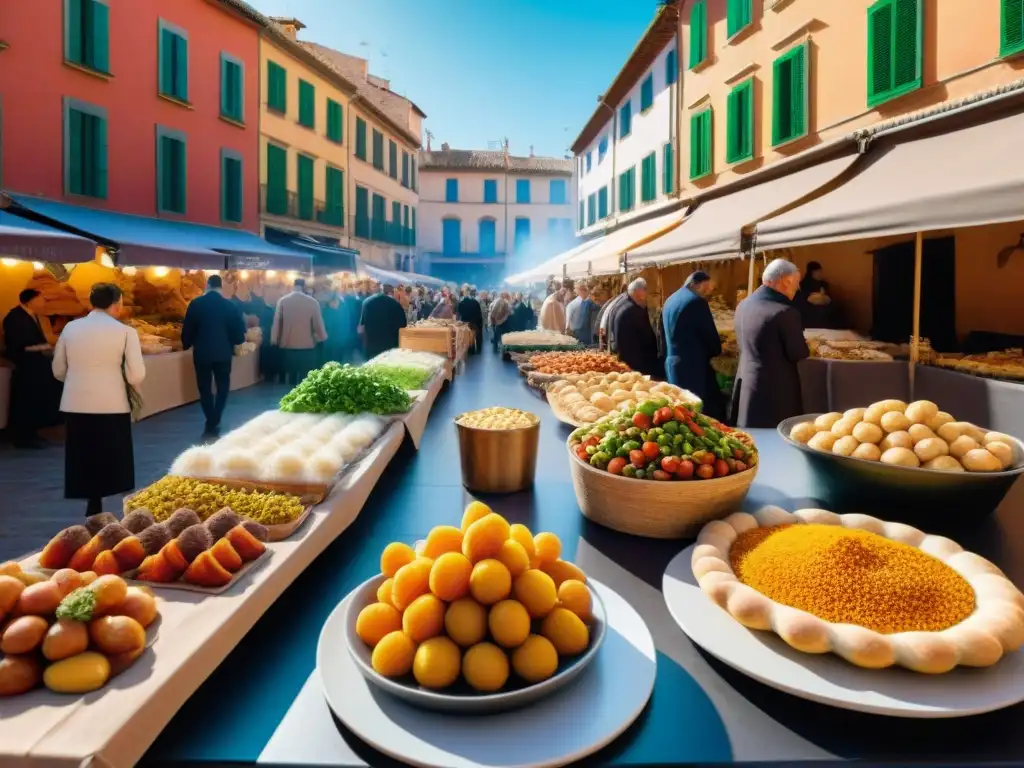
column 480, row 618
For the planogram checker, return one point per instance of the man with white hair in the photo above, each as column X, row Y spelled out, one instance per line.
column 770, row 336
column 552, row 311
column 631, row 328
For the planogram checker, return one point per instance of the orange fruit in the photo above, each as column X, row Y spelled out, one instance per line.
column 575, row 595
column 483, row 539
column 475, row 510
column 560, row 570
column 424, row 618
column 411, row 581
column 375, row 621
column 437, row 663
column 395, row 555
column 547, row 547
column 519, row 532
column 509, row 623
column 441, row 539
column 393, row 655
column 566, row 631
column 449, row 576
column 490, row 582
column 485, row 667
column 536, row 591
column 465, row 621
column 514, row 557
column 535, row 660
column 384, row 591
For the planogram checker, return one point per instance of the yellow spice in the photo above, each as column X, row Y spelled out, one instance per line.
column 852, row 577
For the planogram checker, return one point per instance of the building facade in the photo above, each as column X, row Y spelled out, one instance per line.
column 147, row 108
column 485, row 214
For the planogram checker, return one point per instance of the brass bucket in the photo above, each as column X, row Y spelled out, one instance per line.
column 498, row 460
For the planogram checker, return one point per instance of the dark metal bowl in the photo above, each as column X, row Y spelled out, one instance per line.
column 910, row 495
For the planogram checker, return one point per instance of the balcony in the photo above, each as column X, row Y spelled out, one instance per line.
column 380, row 230
column 291, row 206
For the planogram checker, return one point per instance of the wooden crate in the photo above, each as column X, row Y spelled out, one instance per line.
column 440, row 341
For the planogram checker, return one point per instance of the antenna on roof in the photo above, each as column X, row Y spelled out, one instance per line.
column 430, row 135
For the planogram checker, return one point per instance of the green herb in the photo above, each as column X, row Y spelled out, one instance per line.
column 343, row 389
column 405, row 376
column 78, row 606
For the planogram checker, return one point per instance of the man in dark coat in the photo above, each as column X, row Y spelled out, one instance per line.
column 35, row 394
column 470, row 312
column 213, row 328
column 771, row 343
column 383, row 317
column 691, row 340
column 631, row 327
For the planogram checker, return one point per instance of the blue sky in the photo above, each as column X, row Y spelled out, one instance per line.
column 482, row 70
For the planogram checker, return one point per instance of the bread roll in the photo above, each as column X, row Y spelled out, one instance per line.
column 894, row 421
column 803, row 432
column 822, row 441
column 845, row 446
column 896, row 440
column 959, row 447
column 944, row 464
column 826, row 420
column 873, row 413
column 901, row 457
column 997, row 437
column 1001, row 451
column 931, row 448
column 868, row 451
column 951, row 431
column 921, row 411
column 843, row 428
column 866, row 432
column 939, row 419
column 919, row 432
column 980, row 460
column 855, row 414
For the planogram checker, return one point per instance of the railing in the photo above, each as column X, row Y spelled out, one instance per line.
column 381, row 231
column 291, row 205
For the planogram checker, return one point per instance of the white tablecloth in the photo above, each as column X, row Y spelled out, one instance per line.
column 171, row 380
column 416, row 419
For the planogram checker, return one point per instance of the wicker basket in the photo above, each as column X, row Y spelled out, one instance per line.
column 656, row 510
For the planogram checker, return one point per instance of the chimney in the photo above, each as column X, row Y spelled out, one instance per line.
column 289, row 26
column 531, row 150
column 445, row 147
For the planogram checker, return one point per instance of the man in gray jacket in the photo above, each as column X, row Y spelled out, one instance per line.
column 298, row 327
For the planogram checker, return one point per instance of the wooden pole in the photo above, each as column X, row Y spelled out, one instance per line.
column 750, row 274
column 915, row 338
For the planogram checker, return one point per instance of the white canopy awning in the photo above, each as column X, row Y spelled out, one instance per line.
column 551, row 267
column 603, row 258
column 715, row 228
column 961, row 178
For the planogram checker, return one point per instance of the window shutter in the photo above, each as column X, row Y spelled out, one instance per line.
column 181, row 67
column 647, row 93
column 739, row 15
column 694, row 146
column 73, row 40
column 1012, row 33
column 907, row 44
column 73, row 127
column 305, row 183
column 798, row 93
column 99, row 149
column 166, row 173
column 180, row 176
column 668, row 170
column 880, row 53
column 100, row 36
column 166, row 61
column 392, row 159
column 671, row 68
column 698, row 34
column 225, row 88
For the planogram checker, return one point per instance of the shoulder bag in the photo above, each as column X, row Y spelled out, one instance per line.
column 135, row 402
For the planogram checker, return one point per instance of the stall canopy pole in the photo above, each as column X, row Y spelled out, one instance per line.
column 915, row 338
column 750, row 269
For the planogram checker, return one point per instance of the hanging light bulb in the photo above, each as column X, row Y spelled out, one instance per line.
column 271, row 273
column 244, row 274
column 292, row 275
column 161, row 271
column 38, row 266
column 129, row 271
column 8, row 262
column 212, row 271
column 105, row 259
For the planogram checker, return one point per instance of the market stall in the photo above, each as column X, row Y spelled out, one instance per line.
column 171, row 379
column 416, row 419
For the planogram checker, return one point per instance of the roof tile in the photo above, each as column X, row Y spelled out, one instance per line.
column 489, row 160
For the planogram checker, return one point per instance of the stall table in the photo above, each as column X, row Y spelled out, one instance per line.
column 838, row 385
column 993, row 403
column 416, row 419
column 171, row 379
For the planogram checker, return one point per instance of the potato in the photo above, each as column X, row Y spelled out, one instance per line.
column 843, row 428
column 868, row 452
column 40, row 599
column 901, row 457
column 922, row 411
column 930, row 448
column 894, row 405
column 944, row 464
column 23, row 635
column 78, row 674
column 975, row 433
column 1001, row 451
column 823, row 441
column 938, row 420
column 65, row 638
column 894, row 421
column 139, row 605
column 873, row 414
column 866, row 432
column 855, row 414
column 952, row 430
column 845, row 445
column 117, row 634
column 896, row 440
column 826, row 420
column 919, row 432
column 801, row 432
column 997, row 437
column 10, row 591
column 19, row 674
column 975, row 460
column 962, row 445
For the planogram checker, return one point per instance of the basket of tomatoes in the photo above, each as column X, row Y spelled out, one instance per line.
column 660, row 470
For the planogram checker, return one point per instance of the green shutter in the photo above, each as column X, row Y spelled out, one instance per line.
column 362, row 212
column 166, row 61
column 180, row 68
column 335, row 121
column 668, row 171
column 698, row 33
column 378, row 150
column 648, row 178
column 277, row 88
column 627, row 190
column 73, row 31
column 414, row 226
column 700, row 144
column 99, row 152
column 334, row 209
column 739, row 144
column 739, row 15
column 392, row 159
column 360, row 138
column 307, row 104
column 75, row 154
column 231, row 189
column 305, row 179
column 583, row 221
column 647, row 93
column 277, row 180
column 100, row 38
column 1011, row 38
column 894, row 49
column 405, row 169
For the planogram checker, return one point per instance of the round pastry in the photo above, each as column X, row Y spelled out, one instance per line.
column 803, row 432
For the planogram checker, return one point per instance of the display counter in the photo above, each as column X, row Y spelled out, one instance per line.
column 992, row 403
column 171, row 379
column 5, row 394
column 838, row 385
column 416, row 419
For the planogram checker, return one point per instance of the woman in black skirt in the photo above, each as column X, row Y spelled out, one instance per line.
column 99, row 359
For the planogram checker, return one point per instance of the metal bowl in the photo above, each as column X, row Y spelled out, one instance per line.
column 498, row 460
column 908, row 494
column 460, row 698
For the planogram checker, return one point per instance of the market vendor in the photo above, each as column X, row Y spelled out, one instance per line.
column 631, row 328
column 813, row 301
column 691, row 340
column 298, row 328
column 579, row 315
column 552, row 311
column 500, row 317
column 771, row 344
column 35, row 394
column 381, row 321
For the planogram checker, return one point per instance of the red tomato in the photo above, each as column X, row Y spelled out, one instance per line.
column 662, row 415
column 685, row 470
column 705, row 472
column 651, row 450
column 661, row 475
column 741, row 466
column 737, row 453
column 681, row 414
column 581, row 452
column 707, row 459
column 670, row 464
column 722, row 428
column 641, row 420
column 637, row 459
column 592, row 440
column 695, row 428
column 721, row 468
column 615, row 465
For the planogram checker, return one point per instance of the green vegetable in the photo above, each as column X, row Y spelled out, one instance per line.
column 577, row 435
column 648, row 408
column 633, row 432
column 405, row 376
column 639, row 474
column 672, row 427
column 664, row 440
column 632, row 445
column 665, row 450
column 629, row 470
column 78, row 606
column 591, row 450
column 687, row 448
column 344, row 389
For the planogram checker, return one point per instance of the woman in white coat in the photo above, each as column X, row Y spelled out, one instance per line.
column 98, row 358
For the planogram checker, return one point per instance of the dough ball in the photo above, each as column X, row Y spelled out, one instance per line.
column 803, row 432
column 868, row 451
column 894, row 421
column 602, row 401
column 980, row 460
column 901, row 457
column 919, row 432
column 975, row 433
column 589, row 392
column 616, row 387
column 826, row 420
column 873, row 413
column 894, row 405
column 930, row 448
column 642, row 386
column 939, row 419
column 997, row 437
column 802, row 631
column 962, row 445
column 944, row 464
column 621, row 395
column 952, row 430
column 866, row 432
column 843, row 428
column 822, row 441
column 896, row 440
column 750, row 608
column 845, row 446
column 1001, row 451
column 855, row 414
column 921, row 411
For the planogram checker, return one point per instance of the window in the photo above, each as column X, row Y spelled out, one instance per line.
column 487, row 228
column 582, row 218
column 232, row 85
column 627, row 190
column 558, row 192
column 415, row 185
column 698, row 33
column 602, row 149
column 590, row 161
column 739, row 14
column 360, row 138
column 277, row 88
column 413, row 226
column 87, row 34
column 85, row 149
column 334, row 192
column 173, row 61
column 522, row 190
column 451, row 190
column 671, row 67
column 379, row 222
column 277, row 180
column 395, row 225
column 649, row 178
column 789, row 96
column 894, row 49
column 335, row 122
column 626, row 120
column 668, row 170
column 307, row 104
column 305, row 180
column 406, row 232
column 490, row 190
column 378, row 150
column 647, row 93
column 739, row 122
column 405, row 168
column 171, row 176
column 1011, row 38
column 522, row 232
column 230, row 186
column 362, row 213
column 451, row 237
column 392, row 159
column 700, row 144
column 591, row 209
column 602, row 203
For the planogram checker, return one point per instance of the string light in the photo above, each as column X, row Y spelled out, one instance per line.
column 292, row 275
column 38, row 266
column 161, row 271
column 8, row 262
column 271, row 273
column 105, row 259
column 129, row 271
column 244, row 274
